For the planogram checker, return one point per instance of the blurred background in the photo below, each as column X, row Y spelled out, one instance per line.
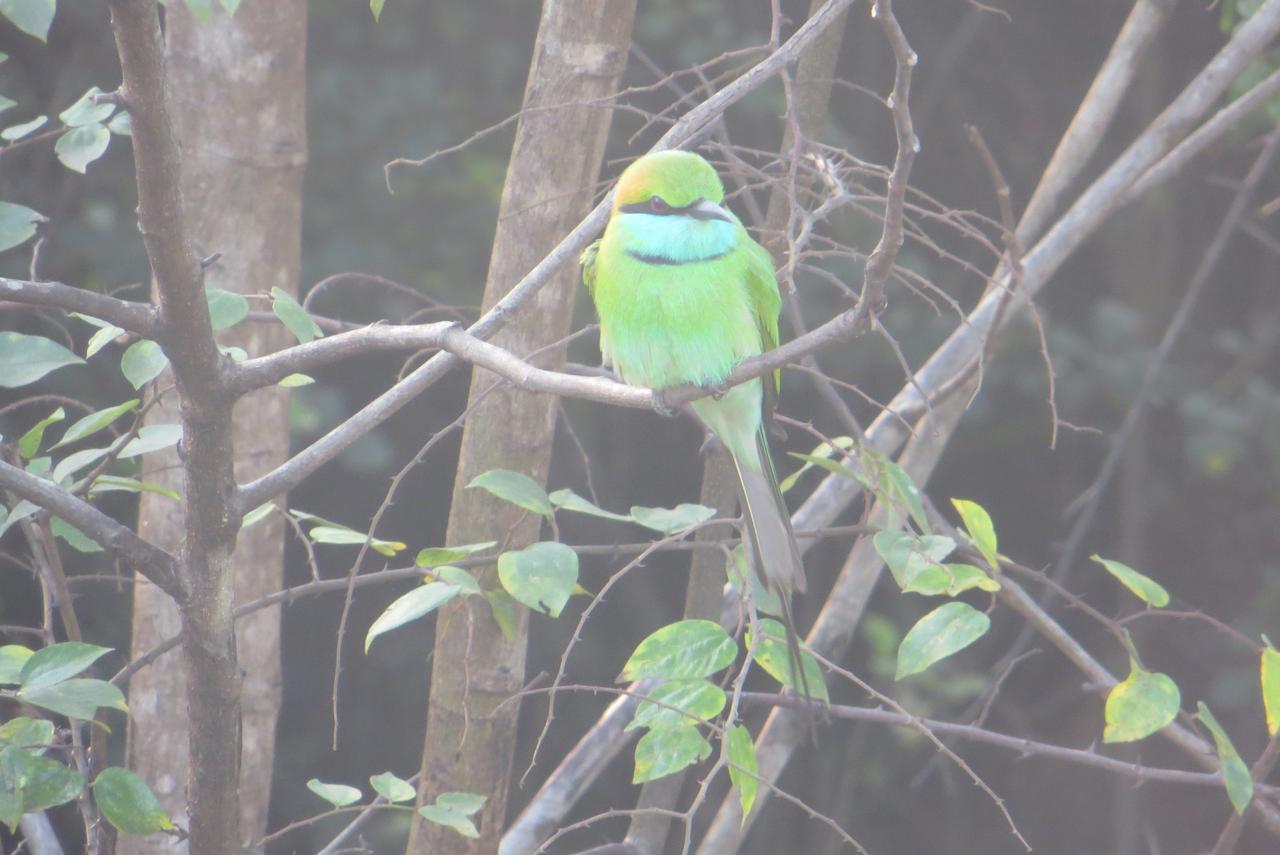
column 1196, row 504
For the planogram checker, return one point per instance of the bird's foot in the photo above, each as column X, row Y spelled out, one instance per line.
column 661, row 406
column 716, row 390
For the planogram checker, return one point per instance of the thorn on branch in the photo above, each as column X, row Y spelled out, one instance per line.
column 117, row 97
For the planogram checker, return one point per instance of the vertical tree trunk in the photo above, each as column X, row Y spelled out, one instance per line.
column 237, row 89
column 580, row 52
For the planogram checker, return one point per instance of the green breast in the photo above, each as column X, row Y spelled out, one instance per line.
column 668, row 324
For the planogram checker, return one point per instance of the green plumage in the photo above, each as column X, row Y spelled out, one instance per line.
column 684, row 294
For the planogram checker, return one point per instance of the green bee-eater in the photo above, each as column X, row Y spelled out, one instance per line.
column 684, row 294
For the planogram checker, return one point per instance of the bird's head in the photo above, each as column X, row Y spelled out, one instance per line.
column 667, row 210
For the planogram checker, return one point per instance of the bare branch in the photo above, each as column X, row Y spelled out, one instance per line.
column 152, row 562
column 140, row 318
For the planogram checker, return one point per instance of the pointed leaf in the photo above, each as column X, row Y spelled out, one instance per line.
column 942, row 632
column 151, row 438
column 420, row 601
column 78, row 697
column 541, row 576
column 1145, row 702
column 26, row 358
column 775, row 659
column 340, row 535
column 256, row 515
column 57, row 662
column 94, row 422
column 30, row 441
column 432, row 556
column 978, row 525
column 116, row 483
column 514, row 487
column 226, row 308
column 33, row 782
column 567, row 500
column 12, row 658
column 449, row 818
column 293, row 381
column 81, row 146
column 74, row 537
column 375, row 6
column 915, row 560
column 142, row 362
column 17, row 132
column 122, row 124
column 824, row 451
column 128, row 803
column 17, row 225
column 672, row 520
column 86, row 111
column 684, row 650
column 26, row 732
column 294, row 317
column 1234, row 772
column 392, row 788
column 338, row 795
column 666, row 750
column 743, row 767
column 679, row 702
column 466, row 583
column 1144, row 588
column 1271, row 687
column 463, row 803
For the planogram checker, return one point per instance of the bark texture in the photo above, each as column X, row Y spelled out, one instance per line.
column 237, row 103
column 580, row 52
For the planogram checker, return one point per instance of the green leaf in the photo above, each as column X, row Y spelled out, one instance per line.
column 432, row 556
column 343, row 536
column 293, row 381
column 128, row 803
column 86, row 111
column 514, row 487
column 1236, row 774
column 81, row 146
column 230, row 6
column 338, row 795
column 29, row 444
column 567, row 500
column 392, row 788
column 106, row 333
column 743, row 767
column 457, row 576
column 12, row 658
column 966, row 576
column 679, row 702
column 945, row 630
column 503, row 608
column 978, row 525
column 151, row 438
column 744, row 578
column 26, row 732
column 17, row 225
column 422, row 600
column 1143, row 703
column 142, row 362
column 915, row 560
column 7, row 103
column 76, row 698
column 57, row 662
column 31, row 16
column 826, row 463
column 14, row 133
column 116, row 483
column 375, row 6
column 463, row 803
column 26, row 358
column 672, row 520
column 895, row 486
column 73, row 536
column 824, row 451
column 94, row 422
column 17, row 513
column 122, row 124
column 201, row 10
column 226, row 308
column 32, row 782
column 1145, row 588
column 256, row 515
column 541, row 576
column 1271, row 687
column 666, row 750
column 449, row 818
column 684, row 650
column 775, row 659
column 294, row 317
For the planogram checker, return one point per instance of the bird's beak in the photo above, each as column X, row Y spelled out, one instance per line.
column 705, row 209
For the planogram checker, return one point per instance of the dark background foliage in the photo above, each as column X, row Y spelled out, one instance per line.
column 1195, row 505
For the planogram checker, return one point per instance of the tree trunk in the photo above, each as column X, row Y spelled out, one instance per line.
column 580, row 52
column 237, row 90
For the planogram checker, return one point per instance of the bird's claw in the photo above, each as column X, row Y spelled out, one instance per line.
column 716, row 390
column 661, row 406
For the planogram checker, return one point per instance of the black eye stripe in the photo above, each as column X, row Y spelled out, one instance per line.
column 647, row 207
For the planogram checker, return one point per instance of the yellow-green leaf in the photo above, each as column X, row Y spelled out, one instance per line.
column 1144, row 587
column 1234, row 772
column 743, row 767
column 1143, row 703
column 978, row 525
column 1271, row 687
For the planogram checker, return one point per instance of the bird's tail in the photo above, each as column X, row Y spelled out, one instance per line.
column 773, row 543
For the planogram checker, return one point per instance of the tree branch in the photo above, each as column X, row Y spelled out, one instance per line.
column 154, row 563
column 140, row 318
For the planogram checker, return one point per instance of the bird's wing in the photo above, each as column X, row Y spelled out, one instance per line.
column 766, row 302
column 588, row 261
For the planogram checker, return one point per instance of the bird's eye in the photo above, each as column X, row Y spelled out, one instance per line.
column 658, row 206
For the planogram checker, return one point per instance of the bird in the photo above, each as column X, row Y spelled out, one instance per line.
column 683, row 294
